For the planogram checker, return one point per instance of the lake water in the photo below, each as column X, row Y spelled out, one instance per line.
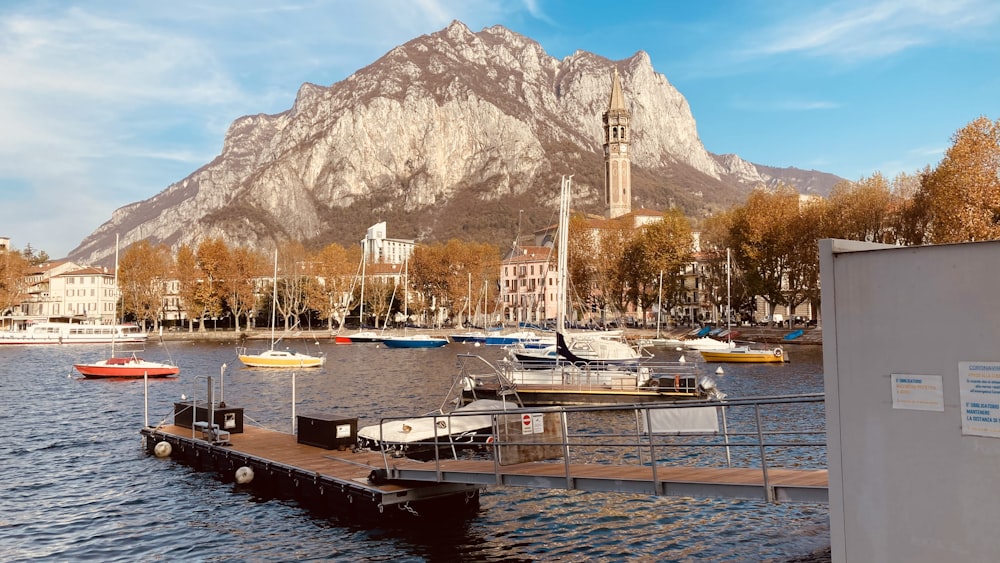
column 76, row 485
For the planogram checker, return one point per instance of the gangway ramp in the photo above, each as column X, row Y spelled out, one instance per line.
column 782, row 485
column 764, row 448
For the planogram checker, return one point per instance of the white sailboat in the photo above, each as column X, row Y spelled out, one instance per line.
column 272, row 357
column 743, row 353
column 361, row 335
column 574, row 379
column 412, row 340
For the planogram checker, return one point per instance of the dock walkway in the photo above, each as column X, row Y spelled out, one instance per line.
column 560, row 458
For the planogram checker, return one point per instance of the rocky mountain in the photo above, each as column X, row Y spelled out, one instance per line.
column 447, row 136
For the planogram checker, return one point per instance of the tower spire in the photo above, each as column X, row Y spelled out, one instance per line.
column 617, row 163
column 616, row 102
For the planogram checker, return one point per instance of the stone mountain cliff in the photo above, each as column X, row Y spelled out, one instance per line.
column 449, row 135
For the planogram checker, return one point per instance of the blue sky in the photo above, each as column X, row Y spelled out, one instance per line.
column 105, row 103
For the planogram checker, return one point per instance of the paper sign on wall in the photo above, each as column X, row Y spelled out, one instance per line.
column 979, row 388
column 917, row 392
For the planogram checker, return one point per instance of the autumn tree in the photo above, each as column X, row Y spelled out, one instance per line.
column 610, row 278
column 865, row 210
column 442, row 273
column 760, row 245
column 665, row 246
column 143, row 271
column 335, row 269
column 805, row 229
column 239, row 274
column 212, row 256
column 913, row 219
column 583, row 260
column 188, row 284
column 962, row 194
column 34, row 256
column 13, row 280
column 380, row 295
column 293, row 269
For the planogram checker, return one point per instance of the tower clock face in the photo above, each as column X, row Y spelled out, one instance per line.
column 624, row 148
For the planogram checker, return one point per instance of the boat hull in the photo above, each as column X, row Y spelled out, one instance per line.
column 736, row 356
column 542, row 395
column 357, row 338
column 468, row 338
column 259, row 362
column 73, row 333
column 112, row 372
column 415, row 343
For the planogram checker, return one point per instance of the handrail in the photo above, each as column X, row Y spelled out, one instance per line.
column 598, row 435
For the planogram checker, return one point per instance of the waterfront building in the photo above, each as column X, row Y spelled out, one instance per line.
column 378, row 248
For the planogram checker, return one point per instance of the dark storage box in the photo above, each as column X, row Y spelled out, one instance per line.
column 229, row 419
column 327, row 431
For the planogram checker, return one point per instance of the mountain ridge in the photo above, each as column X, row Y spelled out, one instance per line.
column 449, row 135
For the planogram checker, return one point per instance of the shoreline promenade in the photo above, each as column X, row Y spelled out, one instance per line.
column 755, row 334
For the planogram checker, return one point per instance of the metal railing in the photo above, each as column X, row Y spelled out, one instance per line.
column 755, row 432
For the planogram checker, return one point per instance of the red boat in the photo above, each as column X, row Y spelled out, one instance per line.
column 130, row 367
column 366, row 336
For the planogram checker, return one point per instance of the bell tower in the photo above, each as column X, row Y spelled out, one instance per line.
column 617, row 166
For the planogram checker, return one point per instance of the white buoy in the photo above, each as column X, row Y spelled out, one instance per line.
column 163, row 449
column 244, row 475
column 476, row 345
column 719, row 371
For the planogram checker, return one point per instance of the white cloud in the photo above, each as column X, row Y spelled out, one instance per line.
column 852, row 31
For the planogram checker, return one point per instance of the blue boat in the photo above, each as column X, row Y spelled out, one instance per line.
column 468, row 337
column 793, row 335
column 511, row 338
column 415, row 341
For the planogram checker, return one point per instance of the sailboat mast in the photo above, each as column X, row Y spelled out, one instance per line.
column 729, row 293
column 563, row 243
column 274, row 297
column 364, row 258
column 659, row 306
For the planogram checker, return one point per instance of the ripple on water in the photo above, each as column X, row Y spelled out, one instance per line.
column 76, row 484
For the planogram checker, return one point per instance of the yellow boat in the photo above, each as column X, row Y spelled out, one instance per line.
column 282, row 359
column 272, row 358
column 745, row 354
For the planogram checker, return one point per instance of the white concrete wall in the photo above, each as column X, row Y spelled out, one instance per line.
column 908, row 485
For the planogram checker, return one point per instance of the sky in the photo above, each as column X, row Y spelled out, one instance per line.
column 108, row 102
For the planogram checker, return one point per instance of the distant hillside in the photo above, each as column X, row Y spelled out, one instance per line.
column 449, row 135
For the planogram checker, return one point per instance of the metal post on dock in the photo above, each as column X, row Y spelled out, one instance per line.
column 570, row 484
column 768, row 496
column 145, row 399
column 222, row 386
column 725, row 436
column 211, row 409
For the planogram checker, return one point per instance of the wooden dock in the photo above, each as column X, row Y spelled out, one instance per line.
column 319, row 477
column 368, row 479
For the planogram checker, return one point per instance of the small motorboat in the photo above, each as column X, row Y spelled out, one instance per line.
column 415, row 341
column 126, row 367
